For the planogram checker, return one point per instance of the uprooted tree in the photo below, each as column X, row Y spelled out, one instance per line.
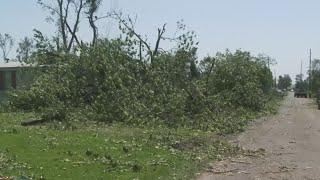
column 131, row 80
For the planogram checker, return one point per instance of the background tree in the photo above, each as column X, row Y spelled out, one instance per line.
column 25, row 48
column 92, row 8
column 60, row 11
column 127, row 26
column 315, row 79
column 301, row 84
column 6, row 44
column 284, row 82
column 299, row 77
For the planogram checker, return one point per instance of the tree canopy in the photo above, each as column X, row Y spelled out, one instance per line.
column 284, row 82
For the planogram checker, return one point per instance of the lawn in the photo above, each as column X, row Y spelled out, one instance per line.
column 99, row 151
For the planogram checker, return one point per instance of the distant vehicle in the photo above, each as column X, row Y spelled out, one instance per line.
column 300, row 93
column 318, row 98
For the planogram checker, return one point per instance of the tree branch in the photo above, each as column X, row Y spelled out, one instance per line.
column 75, row 26
column 160, row 34
column 131, row 30
column 73, row 34
column 62, row 20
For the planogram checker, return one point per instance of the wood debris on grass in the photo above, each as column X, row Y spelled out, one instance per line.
column 6, row 178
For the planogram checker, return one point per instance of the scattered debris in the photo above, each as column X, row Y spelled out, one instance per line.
column 189, row 144
column 241, row 162
column 243, row 172
column 33, row 122
column 6, row 178
column 224, row 172
column 283, row 153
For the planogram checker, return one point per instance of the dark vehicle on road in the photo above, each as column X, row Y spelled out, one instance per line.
column 318, row 98
column 300, row 93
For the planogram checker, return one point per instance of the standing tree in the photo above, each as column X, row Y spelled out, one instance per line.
column 127, row 26
column 301, row 84
column 60, row 13
column 24, row 49
column 284, row 82
column 6, row 44
column 299, row 77
column 92, row 8
column 315, row 78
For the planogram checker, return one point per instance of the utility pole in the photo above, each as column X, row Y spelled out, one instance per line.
column 310, row 73
column 301, row 70
column 275, row 78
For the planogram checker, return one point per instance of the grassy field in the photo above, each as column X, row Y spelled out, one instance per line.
column 104, row 152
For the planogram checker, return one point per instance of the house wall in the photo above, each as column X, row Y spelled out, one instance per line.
column 7, row 80
column 23, row 78
column 5, row 83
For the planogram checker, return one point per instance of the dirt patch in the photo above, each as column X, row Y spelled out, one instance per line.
column 289, row 141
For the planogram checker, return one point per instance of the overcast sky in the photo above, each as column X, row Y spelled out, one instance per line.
column 283, row 29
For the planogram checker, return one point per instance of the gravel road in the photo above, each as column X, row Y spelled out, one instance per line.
column 290, row 142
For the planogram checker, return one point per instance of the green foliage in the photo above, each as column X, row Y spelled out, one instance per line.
column 315, row 79
column 108, row 83
column 241, row 79
column 284, row 82
column 301, row 84
column 25, row 47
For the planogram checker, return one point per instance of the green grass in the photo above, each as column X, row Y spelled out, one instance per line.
column 91, row 151
column 100, row 151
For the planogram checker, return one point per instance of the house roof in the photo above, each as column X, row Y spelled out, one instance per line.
column 13, row 65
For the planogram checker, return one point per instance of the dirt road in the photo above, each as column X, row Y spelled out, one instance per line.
column 291, row 141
